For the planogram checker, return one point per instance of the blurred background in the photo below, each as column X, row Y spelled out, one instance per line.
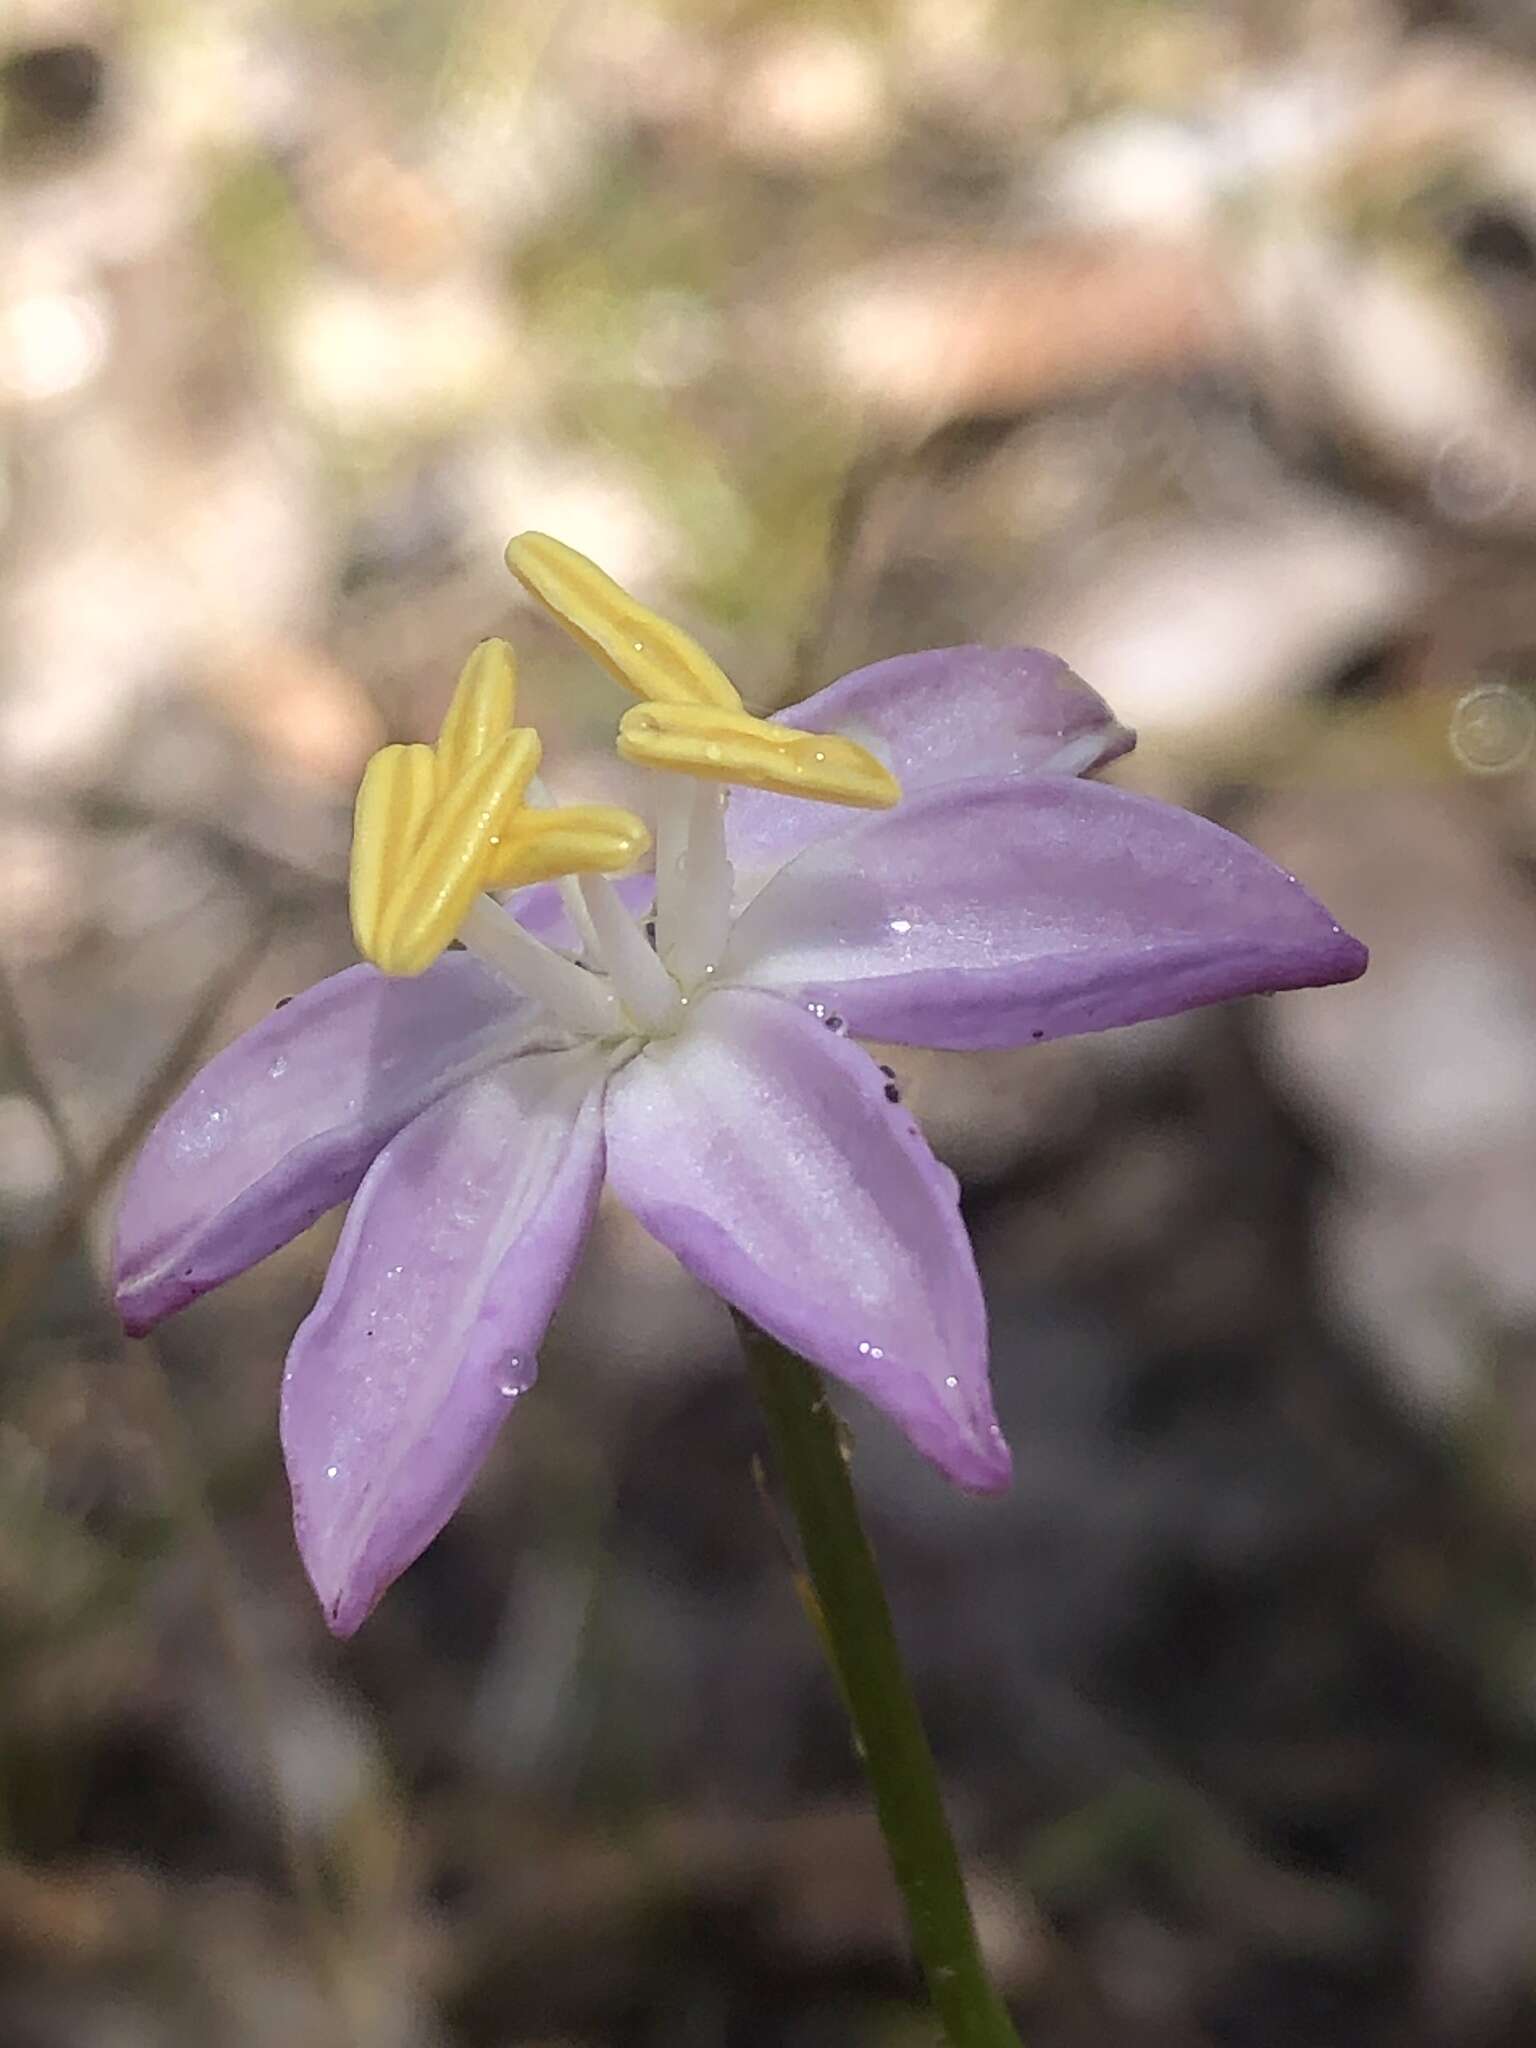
column 1196, row 341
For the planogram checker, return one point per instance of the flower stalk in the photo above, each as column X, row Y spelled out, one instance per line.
column 860, row 1641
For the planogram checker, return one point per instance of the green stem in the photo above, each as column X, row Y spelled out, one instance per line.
column 860, row 1642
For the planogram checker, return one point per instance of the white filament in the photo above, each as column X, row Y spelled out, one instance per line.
column 644, row 987
column 576, row 910
column 694, row 889
column 540, row 796
column 579, row 999
column 674, row 818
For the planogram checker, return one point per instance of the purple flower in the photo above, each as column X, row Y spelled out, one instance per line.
column 703, row 1062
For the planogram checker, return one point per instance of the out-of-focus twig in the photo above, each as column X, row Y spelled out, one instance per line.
column 84, row 1182
column 877, row 491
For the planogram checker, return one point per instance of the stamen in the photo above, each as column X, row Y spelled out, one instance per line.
column 426, row 897
column 394, row 802
column 434, row 828
column 541, row 797
column 480, row 712
column 697, row 893
column 674, row 824
column 577, row 839
column 581, row 918
column 732, row 746
column 646, row 990
column 645, row 653
column 569, row 992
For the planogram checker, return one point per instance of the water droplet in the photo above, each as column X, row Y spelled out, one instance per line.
column 863, row 1351
column 875, row 1351
column 279, row 1067
column 1493, row 729
column 507, row 1391
column 714, row 751
column 639, row 647
column 332, row 1471
column 950, row 1381
column 495, row 839
column 818, row 756
column 901, row 926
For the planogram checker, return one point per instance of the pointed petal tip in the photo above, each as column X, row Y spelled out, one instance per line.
column 965, row 1444
column 981, row 1465
column 135, row 1322
column 1326, row 959
column 1352, row 956
column 347, row 1609
column 348, row 1581
column 144, row 1299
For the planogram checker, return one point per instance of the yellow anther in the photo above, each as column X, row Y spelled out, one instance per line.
column 733, row 746
column 656, row 660
column 394, row 802
column 578, row 839
column 481, row 710
column 413, row 902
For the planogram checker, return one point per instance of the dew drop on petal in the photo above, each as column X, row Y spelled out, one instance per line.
column 279, row 1067
column 950, row 1381
column 901, row 926
column 332, row 1471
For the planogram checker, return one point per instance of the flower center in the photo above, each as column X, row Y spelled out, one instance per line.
column 437, row 828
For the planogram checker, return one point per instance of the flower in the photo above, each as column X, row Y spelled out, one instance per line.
column 472, row 1102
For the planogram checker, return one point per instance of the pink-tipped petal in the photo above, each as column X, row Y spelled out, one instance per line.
column 997, row 913
column 282, row 1125
column 449, row 1267
column 945, row 715
column 762, row 1150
